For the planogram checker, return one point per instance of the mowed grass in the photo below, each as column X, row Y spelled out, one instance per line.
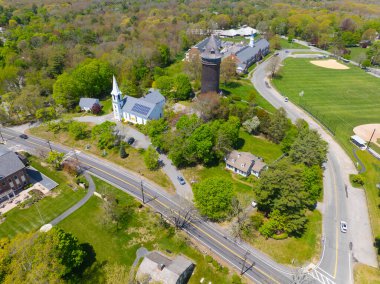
column 304, row 249
column 27, row 220
column 340, row 99
column 141, row 228
column 244, row 90
column 372, row 177
column 364, row 274
column 291, row 45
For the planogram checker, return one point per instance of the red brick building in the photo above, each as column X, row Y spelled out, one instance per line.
column 13, row 176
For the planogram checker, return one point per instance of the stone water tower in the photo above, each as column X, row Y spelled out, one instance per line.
column 211, row 59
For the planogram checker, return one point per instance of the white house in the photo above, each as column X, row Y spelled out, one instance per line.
column 244, row 163
column 137, row 110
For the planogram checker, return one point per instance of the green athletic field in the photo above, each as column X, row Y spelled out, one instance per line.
column 340, row 99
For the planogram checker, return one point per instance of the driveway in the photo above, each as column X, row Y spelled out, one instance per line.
column 142, row 141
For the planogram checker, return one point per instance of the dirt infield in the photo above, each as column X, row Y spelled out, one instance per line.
column 365, row 132
column 330, row 63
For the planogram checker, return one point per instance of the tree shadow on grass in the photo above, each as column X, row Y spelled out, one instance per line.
column 240, row 143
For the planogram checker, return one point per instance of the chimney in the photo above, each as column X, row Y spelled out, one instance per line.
column 251, row 41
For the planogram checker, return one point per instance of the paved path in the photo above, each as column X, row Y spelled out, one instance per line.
column 90, row 192
column 140, row 252
column 143, row 141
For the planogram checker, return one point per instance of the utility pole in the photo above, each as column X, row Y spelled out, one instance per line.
column 142, row 192
column 369, row 143
column 2, row 138
column 51, row 150
column 77, row 160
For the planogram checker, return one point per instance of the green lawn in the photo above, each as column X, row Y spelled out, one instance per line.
column 372, row 177
column 26, row 220
column 107, row 106
column 259, row 146
column 291, row 45
column 142, row 228
column 356, row 52
column 302, row 250
column 244, row 89
column 341, row 99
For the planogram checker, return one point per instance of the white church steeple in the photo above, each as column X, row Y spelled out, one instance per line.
column 116, row 100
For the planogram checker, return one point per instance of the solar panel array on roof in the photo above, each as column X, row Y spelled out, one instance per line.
column 141, row 109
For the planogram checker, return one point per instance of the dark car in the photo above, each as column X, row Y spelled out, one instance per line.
column 181, row 180
column 24, row 136
column 131, row 140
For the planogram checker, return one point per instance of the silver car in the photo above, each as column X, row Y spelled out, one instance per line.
column 343, row 227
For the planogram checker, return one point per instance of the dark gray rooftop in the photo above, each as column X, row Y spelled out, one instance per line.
column 248, row 52
column 9, row 162
column 211, row 50
column 88, row 102
column 202, row 44
column 143, row 106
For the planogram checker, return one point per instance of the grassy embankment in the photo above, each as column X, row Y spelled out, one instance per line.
column 62, row 198
column 142, row 228
column 134, row 161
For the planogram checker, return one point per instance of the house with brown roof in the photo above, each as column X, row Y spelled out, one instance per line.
column 244, row 163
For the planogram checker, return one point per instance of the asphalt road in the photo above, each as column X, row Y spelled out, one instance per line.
column 256, row 267
column 335, row 265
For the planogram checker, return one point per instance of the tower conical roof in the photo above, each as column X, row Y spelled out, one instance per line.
column 115, row 87
column 211, row 50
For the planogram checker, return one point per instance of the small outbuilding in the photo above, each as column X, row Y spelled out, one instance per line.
column 358, row 141
column 157, row 267
column 86, row 104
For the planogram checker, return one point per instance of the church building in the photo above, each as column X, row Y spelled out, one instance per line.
column 137, row 110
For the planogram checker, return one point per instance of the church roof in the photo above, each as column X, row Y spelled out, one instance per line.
column 144, row 106
column 212, row 49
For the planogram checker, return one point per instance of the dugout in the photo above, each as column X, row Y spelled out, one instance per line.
column 359, row 142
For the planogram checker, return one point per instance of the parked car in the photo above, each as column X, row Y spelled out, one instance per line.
column 286, row 99
column 254, row 204
column 181, row 180
column 131, row 140
column 23, row 136
column 343, row 227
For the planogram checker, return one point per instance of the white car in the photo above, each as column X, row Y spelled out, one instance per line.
column 286, row 99
column 254, row 204
column 343, row 227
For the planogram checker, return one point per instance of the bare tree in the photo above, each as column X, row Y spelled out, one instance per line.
column 274, row 66
column 240, row 219
column 182, row 217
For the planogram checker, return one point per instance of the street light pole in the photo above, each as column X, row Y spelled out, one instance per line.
column 51, row 150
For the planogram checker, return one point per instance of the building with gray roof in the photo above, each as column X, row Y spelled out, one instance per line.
column 13, row 174
column 137, row 110
column 86, row 104
column 244, row 163
column 250, row 54
column 157, row 267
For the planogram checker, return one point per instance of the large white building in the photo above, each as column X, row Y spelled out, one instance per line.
column 137, row 110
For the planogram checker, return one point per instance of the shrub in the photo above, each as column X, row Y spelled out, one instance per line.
column 96, row 108
column 282, row 236
column 208, row 259
column 123, row 153
column 81, row 179
column 268, row 229
column 357, row 179
column 236, row 279
column 257, row 220
column 377, row 244
column 236, row 98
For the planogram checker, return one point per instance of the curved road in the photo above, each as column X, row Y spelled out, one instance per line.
column 335, row 265
column 257, row 267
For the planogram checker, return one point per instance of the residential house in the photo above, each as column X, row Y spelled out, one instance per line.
column 244, row 163
column 13, row 176
column 137, row 110
column 157, row 267
column 86, row 104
